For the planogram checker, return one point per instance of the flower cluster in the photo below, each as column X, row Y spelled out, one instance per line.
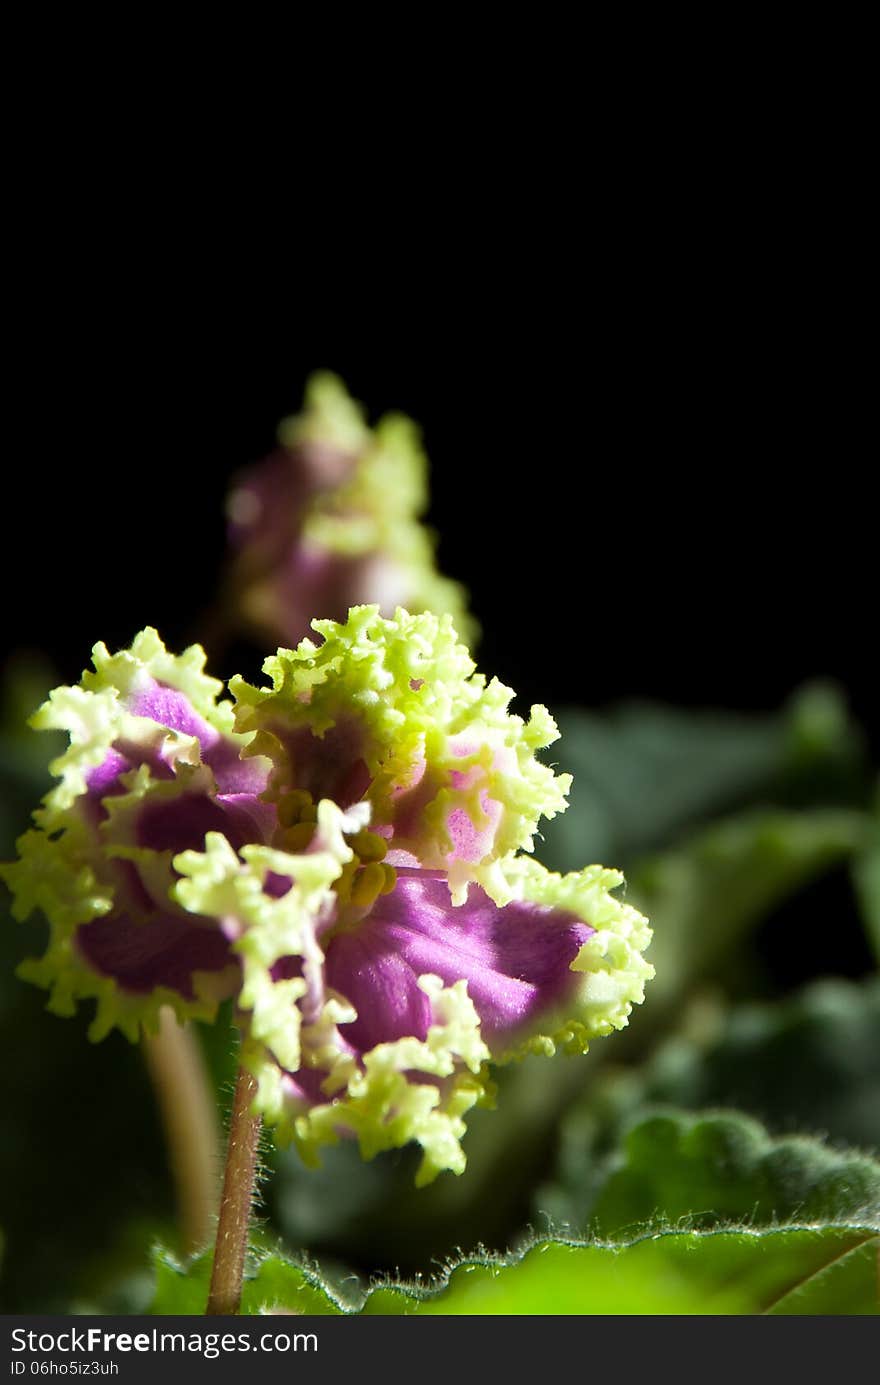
column 344, row 851
column 332, row 519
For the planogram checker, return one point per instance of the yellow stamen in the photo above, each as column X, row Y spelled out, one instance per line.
column 368, row 885
column 343, row 884
column 369, row 846
column 390, row 880
column 291, row 807
column 299, row 837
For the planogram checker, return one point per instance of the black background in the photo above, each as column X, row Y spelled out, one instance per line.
column 654, row 477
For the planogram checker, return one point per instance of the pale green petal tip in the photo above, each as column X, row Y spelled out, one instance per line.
column 411, row 687
column 377, row 1104
column 185, row 672
column 611, row 964
column 93, row 712
column 330, row 416
column 217, row 883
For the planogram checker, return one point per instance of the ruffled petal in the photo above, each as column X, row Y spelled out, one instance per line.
column 393, row 710
column 400, row 1092
column 516, row 961
column 182, row 858
column 559, row 966
column 272, row 905
column 610, row 968
column 153, row 764
column 168, row 951
column 382, row 985
column 313, row 1084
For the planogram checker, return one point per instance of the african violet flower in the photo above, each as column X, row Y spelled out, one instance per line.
column 343, row 853
column 331, row 519
column 153, row 764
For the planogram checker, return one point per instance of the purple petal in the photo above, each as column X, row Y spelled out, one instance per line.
column 173, row 709
column 240, row 782
column 180, row 824
column 253, row 820
column 305, row 1085
column 163, row 950
column 381, row 985
column 516, row 960
column 233, row 774
column 470, row 843
column 104, row 778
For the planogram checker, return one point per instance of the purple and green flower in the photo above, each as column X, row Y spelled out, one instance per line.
column 346, row 853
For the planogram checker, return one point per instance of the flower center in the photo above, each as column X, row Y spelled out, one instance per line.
column 362, row 880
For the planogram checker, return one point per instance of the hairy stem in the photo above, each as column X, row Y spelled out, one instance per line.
column 235, row 1203
column 189, row 1118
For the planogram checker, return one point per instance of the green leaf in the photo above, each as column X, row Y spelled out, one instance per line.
column 776, row 1271
column 271, row 1281
column 809, row 1063
column 643, row 773
column 724, row 1169
column 738, row 1222
column 181, row 1288
column 685, row 1273
column 702, row 898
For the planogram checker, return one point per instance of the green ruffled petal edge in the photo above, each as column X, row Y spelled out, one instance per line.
column 611, row 964
column 380, row 1106
column 93, row 716
column 413, row 687
column 219, row 883
column 329, row 416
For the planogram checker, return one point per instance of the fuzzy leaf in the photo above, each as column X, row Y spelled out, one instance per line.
column 681, row 1273
column 811, row 1064
column 790, row 1270
column 689, row 1215
column 723, row 1170
column 273, row 1282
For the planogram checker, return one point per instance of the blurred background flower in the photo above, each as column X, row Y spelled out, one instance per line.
column 330, row 520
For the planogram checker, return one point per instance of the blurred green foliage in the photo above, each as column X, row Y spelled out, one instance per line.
column 720, row 1169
